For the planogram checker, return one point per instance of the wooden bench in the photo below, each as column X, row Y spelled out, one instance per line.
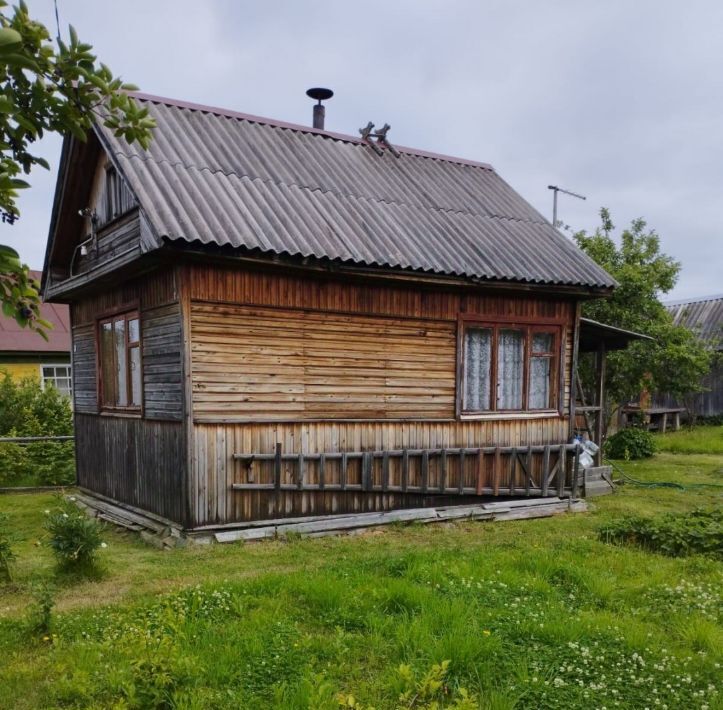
column 655, row 415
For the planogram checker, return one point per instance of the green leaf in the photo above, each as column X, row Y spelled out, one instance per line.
column 9, row 39
column 6, row 105
column 8, row 251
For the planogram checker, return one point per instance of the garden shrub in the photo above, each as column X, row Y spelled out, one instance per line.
column 42, row 612
column 628, row 444
column 7, row 555
column 28, row 409
column 74, row 537
column 676, row 535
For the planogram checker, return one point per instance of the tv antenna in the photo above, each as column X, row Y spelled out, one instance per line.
column 555, row 190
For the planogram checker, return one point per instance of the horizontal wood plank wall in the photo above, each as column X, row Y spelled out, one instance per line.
column 133, row 461
column 314, row 355
column 119, row 243
column 156, row 297
column 162, row 356
column 84, row 372
column 275, row 363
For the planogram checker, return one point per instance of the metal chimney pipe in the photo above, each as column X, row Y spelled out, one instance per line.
column 319, row 115
column 319, row 95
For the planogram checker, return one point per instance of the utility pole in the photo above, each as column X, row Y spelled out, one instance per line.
column 555, row 190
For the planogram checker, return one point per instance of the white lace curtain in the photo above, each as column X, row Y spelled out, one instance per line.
column 478, row 367
column 540, row 372
column 510, row 369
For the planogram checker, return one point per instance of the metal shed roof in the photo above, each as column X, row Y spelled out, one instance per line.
column 593, row 334
column 16, row 339
column 215, row 177
column 704, row 316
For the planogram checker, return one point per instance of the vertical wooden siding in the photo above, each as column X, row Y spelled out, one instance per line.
column 314, row 355
column 142, row 461
column 133, row 461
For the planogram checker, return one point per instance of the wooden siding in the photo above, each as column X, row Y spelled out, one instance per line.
column 322, row 366
column 214, row 471
column 133, row 461
column 118, row 244
column 319, row 349
column 162, row 362
column 156, row 298
column 279, row 363
column 85, row 374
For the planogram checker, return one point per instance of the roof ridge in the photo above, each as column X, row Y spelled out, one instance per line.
column 277, row 123
column 695, row 299
column 325, row 191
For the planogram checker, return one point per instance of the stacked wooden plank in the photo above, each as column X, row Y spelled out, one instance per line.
column 341, row 524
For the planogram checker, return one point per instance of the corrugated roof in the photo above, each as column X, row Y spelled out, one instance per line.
column 14, row 338
column 704, row 316
column 221, row 178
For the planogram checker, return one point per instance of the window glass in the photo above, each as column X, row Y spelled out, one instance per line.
column 133, row 330
column 135, row 362
column 59, row 376
column 121, row 379
column 539, row 394
column 108, row 366
column 119, row 327
column 478, row 369
column 542, row 342
column 510, row 369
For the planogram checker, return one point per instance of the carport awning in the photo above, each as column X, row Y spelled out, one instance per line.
column 594, row 334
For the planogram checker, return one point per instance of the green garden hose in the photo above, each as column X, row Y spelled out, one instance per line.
column 660, row 484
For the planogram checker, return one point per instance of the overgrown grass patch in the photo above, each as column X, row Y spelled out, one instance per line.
column 528, row 614
column 706, row 439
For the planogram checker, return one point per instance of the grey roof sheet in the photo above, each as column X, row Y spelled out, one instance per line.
column 703, row 315
column 221, row 178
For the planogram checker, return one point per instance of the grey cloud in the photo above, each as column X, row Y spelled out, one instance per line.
column 620, row 101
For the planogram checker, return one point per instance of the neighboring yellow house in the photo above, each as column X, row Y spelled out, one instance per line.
column 24, row 353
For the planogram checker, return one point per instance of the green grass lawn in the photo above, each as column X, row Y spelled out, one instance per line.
column 701, row 439
column 529, row 614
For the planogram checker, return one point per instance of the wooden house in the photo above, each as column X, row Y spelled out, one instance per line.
column 703, row 316
column 271, row 320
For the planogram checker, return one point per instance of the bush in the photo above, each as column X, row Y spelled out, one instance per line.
column 7, row 556
column 41, row 615
column 73, row 536
column 673, row 535
column 630, row 444
column 28, row 409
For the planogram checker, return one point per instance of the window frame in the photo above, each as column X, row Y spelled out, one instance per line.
column 55, row 365
column 529, row 326
column 126, row 313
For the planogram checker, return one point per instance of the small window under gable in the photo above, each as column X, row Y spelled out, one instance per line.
column 115, row 198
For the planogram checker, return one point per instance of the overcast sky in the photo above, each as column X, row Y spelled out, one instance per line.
column 620, row 101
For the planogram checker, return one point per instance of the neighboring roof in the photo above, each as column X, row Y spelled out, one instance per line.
column 704, row 316
column 215, row 177
column 14, row 338
column 592, row 333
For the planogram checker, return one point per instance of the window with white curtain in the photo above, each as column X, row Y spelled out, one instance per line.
column 509, row 367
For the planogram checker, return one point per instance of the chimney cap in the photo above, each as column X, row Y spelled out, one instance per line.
column 319, row 94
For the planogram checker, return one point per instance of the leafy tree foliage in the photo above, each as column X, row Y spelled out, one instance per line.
column 675, row 361
column 48, row 88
